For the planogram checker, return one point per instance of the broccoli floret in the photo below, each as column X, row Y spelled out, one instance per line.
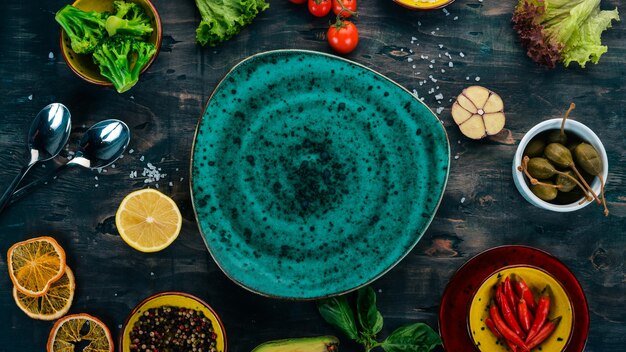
column 122, row 8
column 121, row 60
column 129, row 19
column 85, row 28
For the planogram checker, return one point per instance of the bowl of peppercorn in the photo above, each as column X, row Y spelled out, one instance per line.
column 173, row 321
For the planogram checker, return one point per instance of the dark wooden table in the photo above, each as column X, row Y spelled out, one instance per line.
column 481, row 207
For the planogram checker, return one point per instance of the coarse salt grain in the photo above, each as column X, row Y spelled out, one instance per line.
column 440, row 109
column 51, row 55
column 477, row 79
column 461, row 54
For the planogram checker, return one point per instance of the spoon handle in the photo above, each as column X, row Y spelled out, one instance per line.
column 24, row 190
column 6, row 197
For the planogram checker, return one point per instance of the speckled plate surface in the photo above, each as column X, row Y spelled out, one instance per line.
column 312, row 175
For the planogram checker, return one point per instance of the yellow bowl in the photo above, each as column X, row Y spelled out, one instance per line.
column 537, row 280
column 82, row 64
column 423, row 5
column 175, row 299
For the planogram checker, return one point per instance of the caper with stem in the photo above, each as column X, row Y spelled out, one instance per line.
column 545, row 190
column 535, row 148
column 560, row 136
column 568, row 182
column 562, row 157
column 542, row 169
column 589, row 160
column 533, row 181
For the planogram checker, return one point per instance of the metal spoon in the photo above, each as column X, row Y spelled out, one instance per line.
column 47, row 136
column 100, row 146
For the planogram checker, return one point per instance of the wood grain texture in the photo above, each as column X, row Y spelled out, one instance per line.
column 481, row 207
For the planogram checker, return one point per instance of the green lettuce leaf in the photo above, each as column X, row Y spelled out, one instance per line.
column 562, row 30
column 586, row 44
column 223, row 19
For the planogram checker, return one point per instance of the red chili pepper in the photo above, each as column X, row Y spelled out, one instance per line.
column 510, row 295
column 497, row 333
column 492, row 327
column 544, row 333
column 524, row 292
column 504, row 330
column 543, row 308
column 510, row 317
column 511, row 346
column 525, row 316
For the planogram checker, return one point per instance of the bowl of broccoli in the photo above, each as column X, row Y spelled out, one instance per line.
column 110, row 42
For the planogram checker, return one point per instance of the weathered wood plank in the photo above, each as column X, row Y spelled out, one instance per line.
column 481, row 207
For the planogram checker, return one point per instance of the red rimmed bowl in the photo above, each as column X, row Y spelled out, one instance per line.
column 82, row 64
column 174, row 299
column 466, row 282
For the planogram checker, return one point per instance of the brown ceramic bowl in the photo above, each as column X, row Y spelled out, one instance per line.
column 82, row 64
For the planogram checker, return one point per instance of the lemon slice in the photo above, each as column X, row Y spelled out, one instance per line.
column 82, row 327
column 54, row 304
column 35, row 264
column 148, row 220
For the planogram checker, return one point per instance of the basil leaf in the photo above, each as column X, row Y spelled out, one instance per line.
column 370, row 319
column 417, row 337
column 337, row 312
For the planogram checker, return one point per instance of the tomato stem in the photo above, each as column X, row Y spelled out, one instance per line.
column 344, row 8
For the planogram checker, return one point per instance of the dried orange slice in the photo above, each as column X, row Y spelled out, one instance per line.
column 54, row 304
column 75, row 328
column 35, row 264
column 148, row 220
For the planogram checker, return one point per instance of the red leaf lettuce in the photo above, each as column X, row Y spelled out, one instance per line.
column 562, row 30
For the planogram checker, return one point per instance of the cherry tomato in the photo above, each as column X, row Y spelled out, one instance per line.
column 343, row 37
column 319, row 8
column 297, row 2
column 348, row 4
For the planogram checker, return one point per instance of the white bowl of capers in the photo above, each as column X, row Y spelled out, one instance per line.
column 561, row 165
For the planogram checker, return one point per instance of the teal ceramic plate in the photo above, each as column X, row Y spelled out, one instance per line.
column 312, row 175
